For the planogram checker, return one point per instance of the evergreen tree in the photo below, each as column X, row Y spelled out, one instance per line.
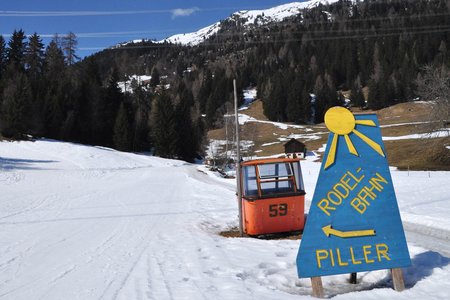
column 295, row 110
column 164, row 126
column 274, row 105
column 56, row 86
column 16, row 50
column 108, row 106
column 321, row 99
column 186, row 143
column 16, row 107
column 357, row 94
column 91, row 126
column 155, row 80
column 34, row 61
column 34, row 56
column 141, row 99
column 3, row 56
column 122, row 132
column 205, row 91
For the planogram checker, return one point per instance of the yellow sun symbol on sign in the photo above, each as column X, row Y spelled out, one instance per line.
column 341, row 122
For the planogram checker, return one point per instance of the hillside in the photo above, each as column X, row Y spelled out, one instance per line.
column 404, row 128
column 382, row 52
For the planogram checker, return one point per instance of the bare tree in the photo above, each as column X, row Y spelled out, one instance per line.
column 69, row 46
column 434, row 85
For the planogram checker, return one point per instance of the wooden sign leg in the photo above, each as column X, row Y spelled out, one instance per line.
column 317, row 287
column 353, row 278
column 397, row 279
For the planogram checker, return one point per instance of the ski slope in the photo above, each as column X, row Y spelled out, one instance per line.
column 79, row 222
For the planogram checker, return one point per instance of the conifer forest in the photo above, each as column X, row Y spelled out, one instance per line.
column 375, row 51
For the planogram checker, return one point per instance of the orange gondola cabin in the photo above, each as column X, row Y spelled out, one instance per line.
column 273, row 196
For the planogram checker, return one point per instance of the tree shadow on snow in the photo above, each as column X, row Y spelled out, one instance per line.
column 9, row 164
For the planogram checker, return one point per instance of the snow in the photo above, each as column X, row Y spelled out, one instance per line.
column 277, row 13
column 81, row 222
column 260, row 17
column 193, row 38
column 243, row 118
column 249, row 98
column 437, row 134
column 126, row 86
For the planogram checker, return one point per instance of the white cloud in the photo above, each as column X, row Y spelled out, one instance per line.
column 184, row 12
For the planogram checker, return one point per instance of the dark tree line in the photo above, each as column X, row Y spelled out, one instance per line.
column 374, row 49
column 45, row 91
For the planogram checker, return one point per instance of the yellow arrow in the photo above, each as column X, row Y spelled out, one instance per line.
column 346, row 234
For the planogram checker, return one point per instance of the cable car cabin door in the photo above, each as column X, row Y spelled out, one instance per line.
column 273, row 196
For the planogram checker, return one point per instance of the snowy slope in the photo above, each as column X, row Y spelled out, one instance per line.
column 82, row 222
column 249, row 17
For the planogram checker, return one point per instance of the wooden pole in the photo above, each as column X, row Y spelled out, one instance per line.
column 397, row 279
column 238, row 160
column 317, row 287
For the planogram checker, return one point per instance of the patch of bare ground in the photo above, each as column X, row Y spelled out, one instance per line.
column 419, row 154
column 399, row 120
column 234, row 233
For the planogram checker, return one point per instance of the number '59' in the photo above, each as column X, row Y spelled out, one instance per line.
column 276, row 210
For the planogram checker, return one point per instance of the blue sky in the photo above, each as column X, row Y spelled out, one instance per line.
column 102, row 23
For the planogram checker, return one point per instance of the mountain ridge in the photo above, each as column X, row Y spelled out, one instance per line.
column 249, row 18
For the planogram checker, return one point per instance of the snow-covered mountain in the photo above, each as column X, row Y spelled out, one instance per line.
column 248, row 18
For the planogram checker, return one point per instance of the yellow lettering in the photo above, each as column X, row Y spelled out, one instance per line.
column 382, row 250
column 364, row 193
column 320, row 255
column 331, row 257
column 336, row 196
column 345, row 180
column 358, row 205
column 379, row 178
column 341, row 190
column 340, row 262
column 354, row 261
column 358, row 180
column 324, row 205
column 375, row 186
column 366, row 251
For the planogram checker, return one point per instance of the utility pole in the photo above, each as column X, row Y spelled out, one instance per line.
column 238, row 160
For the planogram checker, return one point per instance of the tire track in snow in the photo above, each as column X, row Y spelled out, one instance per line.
column 436, row 239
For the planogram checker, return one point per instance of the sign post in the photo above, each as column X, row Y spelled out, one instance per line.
column 354, row 223
column 238, row 160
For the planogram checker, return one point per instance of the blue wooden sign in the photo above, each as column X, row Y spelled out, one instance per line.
column 354, row 223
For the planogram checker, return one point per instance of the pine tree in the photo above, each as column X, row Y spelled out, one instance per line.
column 69, row 46
column 164, row 126
column 3, row 56
column 16, row 107
column 357, row 94
column 155, row 80
column 122, row 132
column 34, row 56
column 205, row 91
column 54, row 77
column 294, row 108
column 321, row 102
column 108, row 106
column 186, row 146
column 16, row 50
